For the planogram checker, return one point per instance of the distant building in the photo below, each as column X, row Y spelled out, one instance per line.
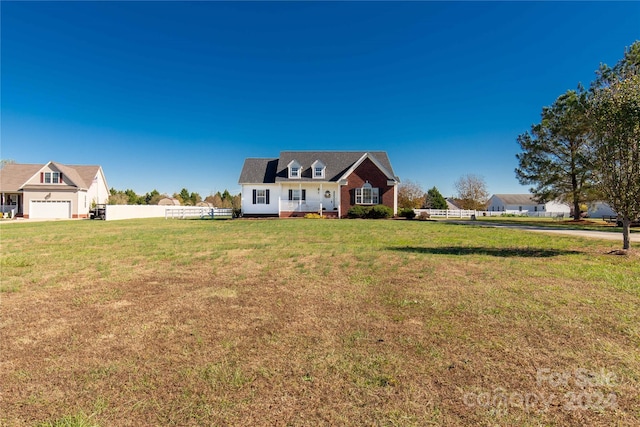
column 599, row 210
column 169, row 201
column 453, row 204
column 524, row 203
column 52, row 190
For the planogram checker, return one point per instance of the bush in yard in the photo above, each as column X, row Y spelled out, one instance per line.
column 358, row 212
column 370, row 212
column 380, row 212
column 424, row 216
column 313, row 216
column 407, row 213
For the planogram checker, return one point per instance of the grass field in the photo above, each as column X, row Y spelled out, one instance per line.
column 314, row 322
column 593, row 224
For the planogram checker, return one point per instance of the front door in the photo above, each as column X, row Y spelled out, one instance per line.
column 329, row 200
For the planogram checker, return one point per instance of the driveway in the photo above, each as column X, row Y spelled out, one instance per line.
column 606, row 235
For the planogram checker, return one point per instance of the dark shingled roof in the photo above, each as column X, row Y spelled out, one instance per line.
column 267, row 171
column 259, row 171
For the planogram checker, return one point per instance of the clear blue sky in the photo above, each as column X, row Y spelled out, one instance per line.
column 166, row 95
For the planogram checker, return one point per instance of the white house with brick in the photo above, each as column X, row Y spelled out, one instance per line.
column 327, row 182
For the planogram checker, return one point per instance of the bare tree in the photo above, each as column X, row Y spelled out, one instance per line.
column 472, row 192
column 410, row 195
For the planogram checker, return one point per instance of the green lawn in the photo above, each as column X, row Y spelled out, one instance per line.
column 314, row 322
column 592, row 224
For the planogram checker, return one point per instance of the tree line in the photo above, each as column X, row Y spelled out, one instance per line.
column 587, row 145
column 186, row 198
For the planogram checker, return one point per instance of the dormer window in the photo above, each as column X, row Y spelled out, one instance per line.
column 318, row 169
column 51, row 178
column 295, row 169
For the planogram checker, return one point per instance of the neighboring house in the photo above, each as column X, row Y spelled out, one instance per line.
column 52, row 190
column 453, row 204
column 204, row 205
column 169, row 201
column 331, row 182
column 524, row 203
column 600, row 210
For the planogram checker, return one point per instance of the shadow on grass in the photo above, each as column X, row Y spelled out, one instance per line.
column 479, row 250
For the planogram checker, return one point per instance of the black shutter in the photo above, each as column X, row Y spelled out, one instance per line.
column 290, row 194
column 304, row 194
column 254, row 196
column 267, row 191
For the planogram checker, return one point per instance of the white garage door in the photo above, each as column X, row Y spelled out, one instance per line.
column 50, row 209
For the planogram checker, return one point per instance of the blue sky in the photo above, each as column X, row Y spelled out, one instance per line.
column 166, row 95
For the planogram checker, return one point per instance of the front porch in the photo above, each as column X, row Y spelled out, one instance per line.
column 299, row 208
column 11, row 204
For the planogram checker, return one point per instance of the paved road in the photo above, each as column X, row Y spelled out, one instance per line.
column 607, row 235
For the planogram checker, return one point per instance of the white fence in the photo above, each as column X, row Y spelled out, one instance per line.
column 198, row 212
column 115, row 212
column 466, row 213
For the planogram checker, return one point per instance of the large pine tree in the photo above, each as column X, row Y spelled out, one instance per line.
column 555, row 154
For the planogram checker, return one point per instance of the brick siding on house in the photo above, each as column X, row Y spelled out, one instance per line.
column 367, row 171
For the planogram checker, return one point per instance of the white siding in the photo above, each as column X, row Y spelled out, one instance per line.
column 557, row 207
column 600, row 209
column 98, row 191
column 249, row 208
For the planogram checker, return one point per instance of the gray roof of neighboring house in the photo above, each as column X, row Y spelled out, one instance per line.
column 266, row 171
column 452, row 203
column 517, row 199
column 14, row 176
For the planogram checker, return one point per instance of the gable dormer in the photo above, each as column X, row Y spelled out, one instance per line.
column 295, row 169
column 318, row 169
column 49, row 174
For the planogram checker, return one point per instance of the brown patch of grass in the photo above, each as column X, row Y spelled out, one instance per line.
column 319, row 323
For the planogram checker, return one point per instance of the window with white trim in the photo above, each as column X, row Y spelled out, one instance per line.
column 295, row 172
column 367, row 195
column 318, row 169
column 261, row 197
column 51, row 177
column 297, row 194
